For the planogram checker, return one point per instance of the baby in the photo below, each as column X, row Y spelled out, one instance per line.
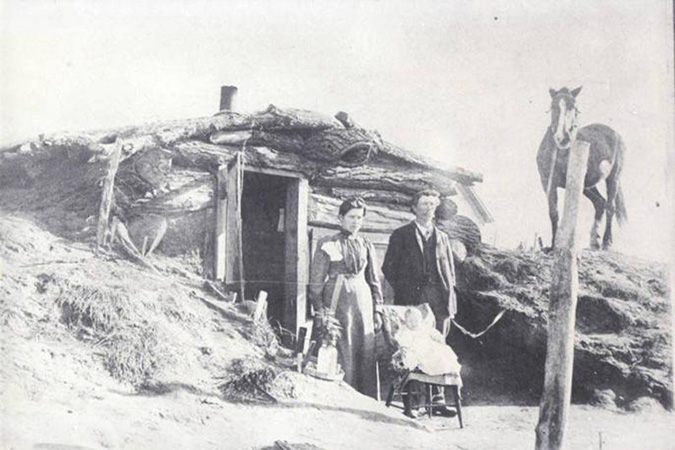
column 423, row 347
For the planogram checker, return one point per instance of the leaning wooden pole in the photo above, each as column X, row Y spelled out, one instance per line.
column 107, row 195
column 555, row 399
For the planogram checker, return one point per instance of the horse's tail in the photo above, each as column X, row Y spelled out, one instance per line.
column 620, row 205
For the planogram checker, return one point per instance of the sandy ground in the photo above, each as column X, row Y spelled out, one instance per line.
column 73, row 404
column 181, row 421
column 55, row 392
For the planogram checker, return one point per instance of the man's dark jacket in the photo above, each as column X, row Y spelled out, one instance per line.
column 404, row 267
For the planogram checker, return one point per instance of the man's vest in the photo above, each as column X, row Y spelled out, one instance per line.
column 431, row 275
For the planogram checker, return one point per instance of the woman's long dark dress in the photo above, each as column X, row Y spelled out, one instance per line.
column 347, row 262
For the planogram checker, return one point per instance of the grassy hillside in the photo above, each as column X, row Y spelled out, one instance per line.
column 623, row 343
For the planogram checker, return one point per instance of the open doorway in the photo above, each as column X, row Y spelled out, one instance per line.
column 261, row 239
column 263, row 205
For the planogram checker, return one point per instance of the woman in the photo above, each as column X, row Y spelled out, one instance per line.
column 343, row 280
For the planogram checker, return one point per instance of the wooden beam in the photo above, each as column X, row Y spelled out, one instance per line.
column 205, row 156
column 297, row 254
column 408, row 180
column 107, row 195
column 555, row 400
column 455, row 173
column 234, row 264
column 275, row 172
column 220, row 237
column 323, row 212
column 278, row 140
column 375, row 195
column 194, row 196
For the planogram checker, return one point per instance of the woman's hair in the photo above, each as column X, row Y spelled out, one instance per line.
column 352, row 203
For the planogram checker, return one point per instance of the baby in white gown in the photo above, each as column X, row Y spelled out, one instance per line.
column 423, row 347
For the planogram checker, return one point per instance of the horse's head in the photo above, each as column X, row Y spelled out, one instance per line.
column 564, row 116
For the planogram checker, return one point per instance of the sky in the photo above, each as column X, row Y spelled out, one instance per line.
column 463, row 82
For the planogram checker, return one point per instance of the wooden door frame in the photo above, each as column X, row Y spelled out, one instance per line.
column 296, row 258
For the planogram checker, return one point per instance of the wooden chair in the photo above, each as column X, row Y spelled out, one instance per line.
column 393, row 315
column 428, row 382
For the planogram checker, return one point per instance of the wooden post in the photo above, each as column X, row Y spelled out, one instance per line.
column 107, row 195
column 220, row 239
column 297, row 254
column 555, row 399
column 234, row 261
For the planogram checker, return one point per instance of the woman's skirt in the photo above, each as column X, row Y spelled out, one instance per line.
column 356, row 347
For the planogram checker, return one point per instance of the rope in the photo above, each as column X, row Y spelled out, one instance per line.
column 479, row 334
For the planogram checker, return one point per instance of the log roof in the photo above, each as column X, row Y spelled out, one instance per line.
column 284, row 130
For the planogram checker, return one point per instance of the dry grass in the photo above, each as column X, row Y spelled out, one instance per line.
column 99, row 308
column 249, row 380
column 114, row 318
column 133, row 353
column 264, row 336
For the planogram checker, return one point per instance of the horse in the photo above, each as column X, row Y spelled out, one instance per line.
column 605, row 162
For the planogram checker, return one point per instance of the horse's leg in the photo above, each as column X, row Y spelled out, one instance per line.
column 553, row 212
column 612, row 190
column 599, row 204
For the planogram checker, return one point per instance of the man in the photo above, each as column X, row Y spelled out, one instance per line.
column 419, row 263
column 419, row 267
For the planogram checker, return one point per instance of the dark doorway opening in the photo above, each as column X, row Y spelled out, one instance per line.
column 263, row 205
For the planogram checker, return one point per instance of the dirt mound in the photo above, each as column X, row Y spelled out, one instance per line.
column 144, row 328
column 623, row 335
column 94, row 339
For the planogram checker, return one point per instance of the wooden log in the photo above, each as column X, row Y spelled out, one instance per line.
column 204, row 156
column 374, row 195
column 323, row 212
column 230, row 137
column 102, row 232
column 463, row 229
column 195, row 195
column 266, row 158
column 166, row 133
column 439, row 168
column 386, row 177
column 50, row 145
column 151, row 166
column 274, row 118
column 351, row 147
column 556, row 397
column 277, row 140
